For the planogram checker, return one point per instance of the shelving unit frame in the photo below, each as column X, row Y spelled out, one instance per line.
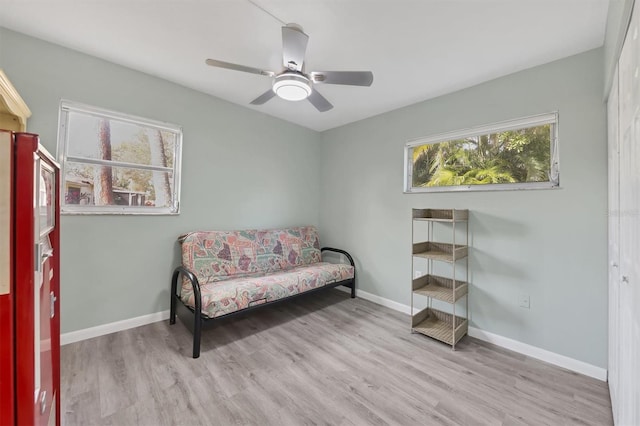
column 440, row 325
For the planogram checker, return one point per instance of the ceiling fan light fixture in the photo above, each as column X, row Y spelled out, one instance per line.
column 292, row 87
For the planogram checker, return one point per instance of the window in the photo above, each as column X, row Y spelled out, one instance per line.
column 117, row 164
column 517, row 154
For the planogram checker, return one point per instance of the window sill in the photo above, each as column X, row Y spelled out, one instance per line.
column 484, row 188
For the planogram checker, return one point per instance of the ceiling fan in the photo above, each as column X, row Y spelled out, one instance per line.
column 293, row 83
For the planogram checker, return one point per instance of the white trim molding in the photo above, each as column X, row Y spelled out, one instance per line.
column 515, row 124
column 504, row 342
column 73, row 149
column 101, row 330
column 387, row 303
column 541, row 354
column 12, row 104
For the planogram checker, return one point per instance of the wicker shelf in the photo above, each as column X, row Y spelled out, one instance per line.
column 441, row 215
column 440, row 251
column 440, row 288
column 439, row 325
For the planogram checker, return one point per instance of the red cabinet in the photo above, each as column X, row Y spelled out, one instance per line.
column 29, row 282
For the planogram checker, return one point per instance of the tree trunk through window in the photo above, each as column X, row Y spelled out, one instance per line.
column 103, row 176
column 161, row 183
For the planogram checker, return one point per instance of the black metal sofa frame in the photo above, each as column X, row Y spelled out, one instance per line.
column 195, row 321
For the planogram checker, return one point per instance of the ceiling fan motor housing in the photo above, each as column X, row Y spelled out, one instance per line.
column 292, row 86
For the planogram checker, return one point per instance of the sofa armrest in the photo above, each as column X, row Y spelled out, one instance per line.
column 351, row 283
column 197, row 300
column 347, row 255
column 194, row 284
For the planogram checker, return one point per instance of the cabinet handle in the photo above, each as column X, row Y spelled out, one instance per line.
column 38, row 255
column 52, row 299
column 614, row 264
column 43, row 402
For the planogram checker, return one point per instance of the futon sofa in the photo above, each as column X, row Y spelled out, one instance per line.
column 225, row 273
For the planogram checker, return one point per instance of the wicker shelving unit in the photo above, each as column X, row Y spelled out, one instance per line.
column 438, row 324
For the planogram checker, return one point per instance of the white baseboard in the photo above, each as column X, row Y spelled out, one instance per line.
column 505, row 342
column 101, row 330
column 541, row 354
column 514, row 345
column 378, row 300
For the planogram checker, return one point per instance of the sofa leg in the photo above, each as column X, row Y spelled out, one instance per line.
column 174, row 296
column 197, row 329
column 172, row 311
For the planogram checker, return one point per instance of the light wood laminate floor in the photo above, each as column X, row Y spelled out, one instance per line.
column 320, row 359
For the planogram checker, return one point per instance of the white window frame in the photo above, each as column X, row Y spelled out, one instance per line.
column 66, row 107
column 520, row 123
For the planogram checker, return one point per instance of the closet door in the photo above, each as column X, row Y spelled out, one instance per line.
column 614, row 242
column 629, row 294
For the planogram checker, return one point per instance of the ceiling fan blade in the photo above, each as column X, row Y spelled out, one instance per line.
column 236, row 67
column 294, row 46
column 320, row 102
column 351, row 78
column 264, row 97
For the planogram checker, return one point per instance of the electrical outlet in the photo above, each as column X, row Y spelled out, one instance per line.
column 524, row 301
column 417, row 274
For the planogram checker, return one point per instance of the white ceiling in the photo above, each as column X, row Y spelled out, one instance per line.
column 416, row 49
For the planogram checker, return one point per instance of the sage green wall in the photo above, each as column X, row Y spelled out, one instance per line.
column 245, row 169
column 241, row 169
column 550, row 244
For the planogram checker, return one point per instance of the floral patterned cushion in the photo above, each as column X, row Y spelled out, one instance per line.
column 223, row 297
column 215, row 256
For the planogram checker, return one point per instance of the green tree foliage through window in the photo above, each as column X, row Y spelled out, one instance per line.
column 522, row 155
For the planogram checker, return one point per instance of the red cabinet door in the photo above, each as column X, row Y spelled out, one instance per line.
column 7, row 347
column 36, row 284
